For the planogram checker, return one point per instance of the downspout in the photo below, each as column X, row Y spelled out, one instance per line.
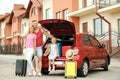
column 109, row 26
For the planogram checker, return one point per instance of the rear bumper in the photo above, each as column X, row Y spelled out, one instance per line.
column 61, row 60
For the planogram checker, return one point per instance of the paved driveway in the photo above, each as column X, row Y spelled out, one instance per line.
column 7, row 72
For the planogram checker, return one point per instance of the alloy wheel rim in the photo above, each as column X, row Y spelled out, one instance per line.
column 85, row 68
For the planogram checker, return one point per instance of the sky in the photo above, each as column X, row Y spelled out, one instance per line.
column 7, row 5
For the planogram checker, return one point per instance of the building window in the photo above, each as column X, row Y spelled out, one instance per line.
column 84, row 3
column 58, row 15
column 3, row 42
column 118, row 0
column 23, row 27
column 48, row 13
column 100, row 27
column 34, row 11
column 94, row 1
column 119, row 27
column 97, row 27
column 85, row 27
column 104, row 27
column 106, row 3
column 3, row 28
column 65, row 13
column 3, row 32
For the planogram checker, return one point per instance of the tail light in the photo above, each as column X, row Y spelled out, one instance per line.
column 76, row 50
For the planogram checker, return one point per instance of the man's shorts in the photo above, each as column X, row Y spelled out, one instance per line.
column 39, row 51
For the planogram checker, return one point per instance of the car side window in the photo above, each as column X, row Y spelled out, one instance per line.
column 86, row 41
column 94, row 42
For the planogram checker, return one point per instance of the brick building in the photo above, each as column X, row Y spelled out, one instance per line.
column 4, row 22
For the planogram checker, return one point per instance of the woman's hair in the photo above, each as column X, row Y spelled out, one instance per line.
column 29, row 29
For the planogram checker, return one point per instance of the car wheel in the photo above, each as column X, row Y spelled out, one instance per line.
column 45, row 71
column 105, row 68
column 83, row 71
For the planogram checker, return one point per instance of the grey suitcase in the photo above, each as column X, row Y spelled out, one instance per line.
column 21, row 66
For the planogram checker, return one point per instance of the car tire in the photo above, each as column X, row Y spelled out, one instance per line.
column 105, row 68
column 83, row 71
column 45, row 71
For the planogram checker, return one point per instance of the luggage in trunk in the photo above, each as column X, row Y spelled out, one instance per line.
column 64, row 49
column 59, row 49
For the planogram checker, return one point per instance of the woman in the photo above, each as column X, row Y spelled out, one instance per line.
column 30, row 47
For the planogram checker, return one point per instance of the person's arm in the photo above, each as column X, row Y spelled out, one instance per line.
column 45, row 32
column 35, row 45
column 47, row 50
column 24, row 42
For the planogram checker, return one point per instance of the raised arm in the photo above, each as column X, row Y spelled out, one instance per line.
column 34, row 45
column 46, row 32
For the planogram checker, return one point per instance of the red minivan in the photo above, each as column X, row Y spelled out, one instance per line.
column 89, row 52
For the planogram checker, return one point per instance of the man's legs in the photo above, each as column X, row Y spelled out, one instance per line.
column 39, row 55
column 40, row 63
column 34, row 65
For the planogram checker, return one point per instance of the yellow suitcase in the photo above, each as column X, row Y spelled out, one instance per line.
column 70, row 69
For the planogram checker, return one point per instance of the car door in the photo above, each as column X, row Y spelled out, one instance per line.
column 98, row 51
column 89, row 51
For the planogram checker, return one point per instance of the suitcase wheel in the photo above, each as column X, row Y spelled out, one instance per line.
column 75, row 77
column 19, row 74
column 16, row 74
column 65, row 76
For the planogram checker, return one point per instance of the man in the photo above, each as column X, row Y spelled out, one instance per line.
column 39, row 31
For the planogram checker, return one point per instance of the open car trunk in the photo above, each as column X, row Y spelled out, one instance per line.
column 63, row 30
column 58, row 26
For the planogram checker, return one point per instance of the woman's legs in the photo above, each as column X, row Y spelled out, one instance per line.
column 29, row 60
column 34, row 65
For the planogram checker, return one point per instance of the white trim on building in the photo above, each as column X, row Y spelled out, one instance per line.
column 47, row 9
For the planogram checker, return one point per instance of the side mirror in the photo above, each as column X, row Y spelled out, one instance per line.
column 103, row 46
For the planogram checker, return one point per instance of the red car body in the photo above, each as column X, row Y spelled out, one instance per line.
column 91, row 54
